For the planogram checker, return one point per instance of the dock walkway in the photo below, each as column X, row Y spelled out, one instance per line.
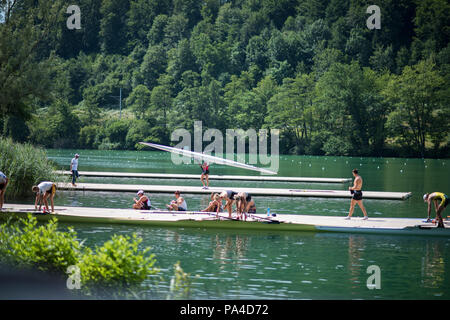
column 211, row 177
column 252, row 191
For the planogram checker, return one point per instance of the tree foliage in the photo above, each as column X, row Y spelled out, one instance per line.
column 310, row 68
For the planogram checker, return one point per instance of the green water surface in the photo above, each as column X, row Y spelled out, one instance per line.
column 267, row 265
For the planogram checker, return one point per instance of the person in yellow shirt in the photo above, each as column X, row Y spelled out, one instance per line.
column 440, row 203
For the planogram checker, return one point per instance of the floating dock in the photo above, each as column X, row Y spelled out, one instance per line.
column 282, row 222
column 253, row 191
column 211, row 177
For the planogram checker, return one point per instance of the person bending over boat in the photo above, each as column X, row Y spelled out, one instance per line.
column 3, row 184
column 205, row 175
column 43, row 191
column 440, row 203
column 357, row 195
column 179, row 204
column 143, row 203
column 228, row 196
column 215, row 205
column 243, row 203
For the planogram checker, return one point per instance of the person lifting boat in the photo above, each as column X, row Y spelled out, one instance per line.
column 179, row 204
column 143, row 203
column 205, row 175
column 228, row 196
column 436, row 197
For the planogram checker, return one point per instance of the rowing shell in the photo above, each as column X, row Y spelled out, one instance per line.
column 209, row 158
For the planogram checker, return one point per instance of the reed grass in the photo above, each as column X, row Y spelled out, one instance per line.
column 25, row 165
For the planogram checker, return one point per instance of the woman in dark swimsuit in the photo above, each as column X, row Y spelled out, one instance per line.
column 205, row 174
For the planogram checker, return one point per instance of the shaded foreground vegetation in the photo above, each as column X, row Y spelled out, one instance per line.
column 120, row 268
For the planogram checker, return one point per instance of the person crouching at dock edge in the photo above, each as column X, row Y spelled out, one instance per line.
column 143, row 203
column 436, row 197
column 179, row 204
column 43, row 191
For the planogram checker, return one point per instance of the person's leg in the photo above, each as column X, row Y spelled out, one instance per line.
column 73, row 177
column 51, row 202
column 228, row 206
column 439, row 216
column 361, row 205
column 2, row 197
column 201, row 179
column 45, row 197
column 352, row 208
column 207, row 180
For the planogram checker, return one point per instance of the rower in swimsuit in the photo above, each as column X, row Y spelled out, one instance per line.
column 228, row 196
column 205, row 174
column 437, row 197
column 244, row 204
column 179, row 204
column 357, row 195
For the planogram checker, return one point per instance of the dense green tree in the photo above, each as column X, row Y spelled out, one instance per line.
column 309, row 67
column 139, row 101
column 421, row 106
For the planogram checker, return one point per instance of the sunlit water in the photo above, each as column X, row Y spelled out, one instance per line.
column 283, row 265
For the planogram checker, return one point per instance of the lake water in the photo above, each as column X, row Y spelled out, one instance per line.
column 282, row 265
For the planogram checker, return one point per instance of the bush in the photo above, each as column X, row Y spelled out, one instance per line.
column 118, row 265
column 43, row 247
column 115, row 269
column 25, row 166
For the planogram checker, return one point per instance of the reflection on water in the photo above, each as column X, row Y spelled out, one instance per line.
column 433, row 265
column 356, row 267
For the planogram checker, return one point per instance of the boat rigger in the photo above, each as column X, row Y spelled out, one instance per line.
column 282, row 222
column 252, row 191
column 211, row 177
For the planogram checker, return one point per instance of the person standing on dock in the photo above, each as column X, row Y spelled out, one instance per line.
column 74, row 169
column 205, row 175
column 436, row 197
column 357, row 195
column 179, row 204
column 143, row 203
column 43, row 191
column 3, row 184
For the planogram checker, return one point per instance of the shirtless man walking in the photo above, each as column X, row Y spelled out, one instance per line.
column 357, row 195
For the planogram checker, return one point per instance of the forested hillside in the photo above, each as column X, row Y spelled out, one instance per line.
column 311, row 68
